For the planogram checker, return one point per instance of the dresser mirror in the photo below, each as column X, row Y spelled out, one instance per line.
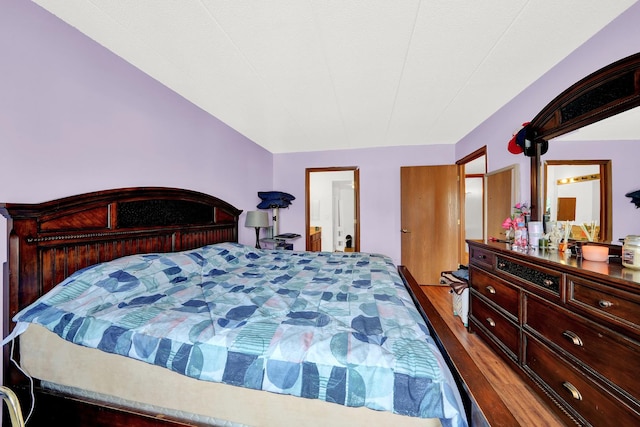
column 606, row 93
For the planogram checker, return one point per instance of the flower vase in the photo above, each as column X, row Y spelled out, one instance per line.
column 520, row 239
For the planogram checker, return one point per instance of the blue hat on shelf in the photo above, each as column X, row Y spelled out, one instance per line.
column 274, row 199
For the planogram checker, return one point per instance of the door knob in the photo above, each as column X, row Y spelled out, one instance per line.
column 404, row 230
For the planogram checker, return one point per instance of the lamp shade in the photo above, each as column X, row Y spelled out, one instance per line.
column 257, row 219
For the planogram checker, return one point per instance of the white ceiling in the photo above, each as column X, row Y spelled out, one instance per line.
column 296, row 75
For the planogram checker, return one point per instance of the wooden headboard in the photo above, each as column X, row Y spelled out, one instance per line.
column 49, row 241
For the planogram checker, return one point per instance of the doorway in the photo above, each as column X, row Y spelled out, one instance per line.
column 430, row 221
column 438, row 210
column 332, row 209
column 472, row 200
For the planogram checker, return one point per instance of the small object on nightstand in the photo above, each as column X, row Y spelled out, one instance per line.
column 281, row 240
column 286, row 236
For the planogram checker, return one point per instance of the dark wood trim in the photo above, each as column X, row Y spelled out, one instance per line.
column 536, row 195
column 604, row 93
column 611, row 90
column 482, row 151
column 483, row 405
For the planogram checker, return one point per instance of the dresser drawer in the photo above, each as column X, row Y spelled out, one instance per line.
column 481, row 257
column 605, row 302
column 537, row 279
column 597, row 406
column 614, row 357
column 496, row 290
column 500, row 328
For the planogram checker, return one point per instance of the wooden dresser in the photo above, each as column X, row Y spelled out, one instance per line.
column 571, row 328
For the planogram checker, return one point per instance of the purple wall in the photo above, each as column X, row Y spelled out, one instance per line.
column 74, row 118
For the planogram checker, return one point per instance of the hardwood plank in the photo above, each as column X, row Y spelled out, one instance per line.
column 483, row 406
column 525, row 405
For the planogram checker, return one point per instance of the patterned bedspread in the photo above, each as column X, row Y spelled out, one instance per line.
column 340, row 327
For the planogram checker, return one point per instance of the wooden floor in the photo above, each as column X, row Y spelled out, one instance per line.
column 523, row 403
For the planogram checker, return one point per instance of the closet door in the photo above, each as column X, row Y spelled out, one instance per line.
column 430, row 223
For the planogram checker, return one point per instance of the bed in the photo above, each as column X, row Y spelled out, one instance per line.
column 142, row 249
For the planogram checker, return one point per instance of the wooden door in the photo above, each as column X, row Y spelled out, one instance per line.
column 501, row 195
column 566, row 209
column 429, row 221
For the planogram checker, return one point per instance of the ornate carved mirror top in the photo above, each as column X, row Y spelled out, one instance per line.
column 611, row 90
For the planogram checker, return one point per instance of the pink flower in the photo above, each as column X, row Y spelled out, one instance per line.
column 507, row 224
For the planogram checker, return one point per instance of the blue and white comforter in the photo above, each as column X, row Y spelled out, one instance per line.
column 340, row 327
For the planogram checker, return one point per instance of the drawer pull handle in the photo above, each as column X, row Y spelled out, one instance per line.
column 572, row 389
column 480, row 256
column 604, row 303
column 571, row 336
column 547, row 282
column 491, row 289
column 491, row 322
column 502, row 264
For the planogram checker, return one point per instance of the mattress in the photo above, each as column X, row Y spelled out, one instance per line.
column 334, row 327
column 86, row 372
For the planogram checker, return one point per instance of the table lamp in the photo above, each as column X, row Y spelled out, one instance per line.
column 257, row 219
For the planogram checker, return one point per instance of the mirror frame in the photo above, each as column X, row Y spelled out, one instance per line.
column 613, row 89
column 356, row 190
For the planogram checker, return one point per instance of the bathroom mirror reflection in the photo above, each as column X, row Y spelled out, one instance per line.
column 579, row 191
